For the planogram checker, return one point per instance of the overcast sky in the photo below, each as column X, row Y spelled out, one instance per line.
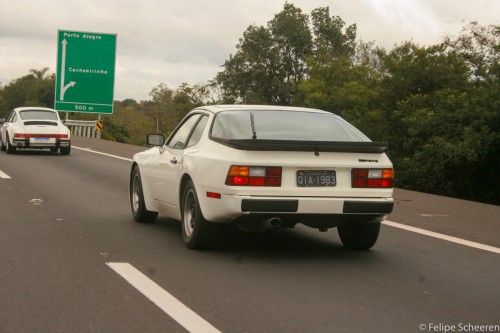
column 163, row 41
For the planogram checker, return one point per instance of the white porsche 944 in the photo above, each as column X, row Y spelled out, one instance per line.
column 35, row 128
column 259, row 167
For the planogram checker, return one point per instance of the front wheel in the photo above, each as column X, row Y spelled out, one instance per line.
column 197, row 232
column 139, row 211
column 359, row 236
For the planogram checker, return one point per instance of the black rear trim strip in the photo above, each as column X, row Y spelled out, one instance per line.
column 262, row 205
column 364, row 207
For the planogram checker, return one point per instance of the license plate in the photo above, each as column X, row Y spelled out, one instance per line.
column 316, row 178
column 40, row 140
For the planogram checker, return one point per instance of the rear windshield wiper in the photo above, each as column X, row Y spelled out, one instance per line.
column 252, row 123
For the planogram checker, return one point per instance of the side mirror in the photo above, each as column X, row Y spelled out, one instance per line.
column 2, row 121
column 155, row 139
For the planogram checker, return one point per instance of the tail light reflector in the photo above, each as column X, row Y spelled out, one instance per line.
column 239, row 175
column 372, row 178
column 214, row 195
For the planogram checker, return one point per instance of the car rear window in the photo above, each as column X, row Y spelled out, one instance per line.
column 38, row 115
column 284, row 125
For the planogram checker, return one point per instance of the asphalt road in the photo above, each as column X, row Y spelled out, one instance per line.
column 64, row 219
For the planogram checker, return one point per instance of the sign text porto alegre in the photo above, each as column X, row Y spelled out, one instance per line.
column 85, row 72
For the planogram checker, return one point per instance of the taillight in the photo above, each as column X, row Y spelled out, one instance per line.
column 254, row 176
column 372, row 178
column 27, row 136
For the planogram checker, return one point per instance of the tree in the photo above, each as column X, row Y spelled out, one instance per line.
column 248, row 76
column 441, row 105
column 34, row 89
column 269, row 62
column 330, row 41
column 39, row 74
column 293, row 44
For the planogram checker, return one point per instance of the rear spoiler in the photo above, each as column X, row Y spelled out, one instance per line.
column 314, row 146
column 39, row 122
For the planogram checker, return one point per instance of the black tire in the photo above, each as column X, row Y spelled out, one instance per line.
column 65, row 150
column 197, row 232
column 2, row 145
column 139, row 211
column 10, row 148
column 359, row 236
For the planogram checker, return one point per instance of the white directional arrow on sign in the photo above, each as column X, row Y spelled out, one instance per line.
column 63, row 69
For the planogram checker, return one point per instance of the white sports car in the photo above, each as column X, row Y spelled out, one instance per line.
column 35, row 128
column 259, row 167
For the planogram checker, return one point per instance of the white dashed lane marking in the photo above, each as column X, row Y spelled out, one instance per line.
column 191, row 321
column 4, row 175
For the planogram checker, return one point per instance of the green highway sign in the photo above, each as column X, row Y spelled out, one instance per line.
column 85, row 76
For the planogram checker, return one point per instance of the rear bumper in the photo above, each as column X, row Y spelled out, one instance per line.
column 55, row 143
column 231, row 207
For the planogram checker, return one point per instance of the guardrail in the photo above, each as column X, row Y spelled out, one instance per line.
column 86, row 128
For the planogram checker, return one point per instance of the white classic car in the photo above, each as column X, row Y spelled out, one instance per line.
column 259, row 167
column 35, row 128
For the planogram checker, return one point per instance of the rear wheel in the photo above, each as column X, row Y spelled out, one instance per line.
column 65, row 150
column 2, row 144
column 197, row 232
column 359, row 236
column 10, row 148
column 139, row 211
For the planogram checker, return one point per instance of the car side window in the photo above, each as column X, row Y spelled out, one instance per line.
column 180, row 137
column 198, row 131
column 12, row 117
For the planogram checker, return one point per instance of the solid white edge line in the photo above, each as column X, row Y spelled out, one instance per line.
column 98, row 152
column 165, row 301
column 444, row 237
column 4, row 175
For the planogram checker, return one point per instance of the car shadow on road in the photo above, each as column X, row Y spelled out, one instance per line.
column 300, row 243
column 36, row 152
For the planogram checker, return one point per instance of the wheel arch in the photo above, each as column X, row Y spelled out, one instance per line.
column 182, row 184
column 148, row 200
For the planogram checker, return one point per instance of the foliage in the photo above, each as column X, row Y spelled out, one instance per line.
column 437, row 106
column 132, row 121
column 272, row 61
column 34, row 89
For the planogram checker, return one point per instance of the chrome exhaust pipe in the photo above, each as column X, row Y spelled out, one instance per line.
column 273, row 222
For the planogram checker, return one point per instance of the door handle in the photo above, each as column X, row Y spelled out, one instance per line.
column 173, row 161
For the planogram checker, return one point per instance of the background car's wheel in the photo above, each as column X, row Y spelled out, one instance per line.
column 139, row 211
column 197, row 232
column 65, row 150
column 359, row 236
column 10, row 148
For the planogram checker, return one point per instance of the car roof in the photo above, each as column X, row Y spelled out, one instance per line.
column 34, row 108
column 242, row 107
